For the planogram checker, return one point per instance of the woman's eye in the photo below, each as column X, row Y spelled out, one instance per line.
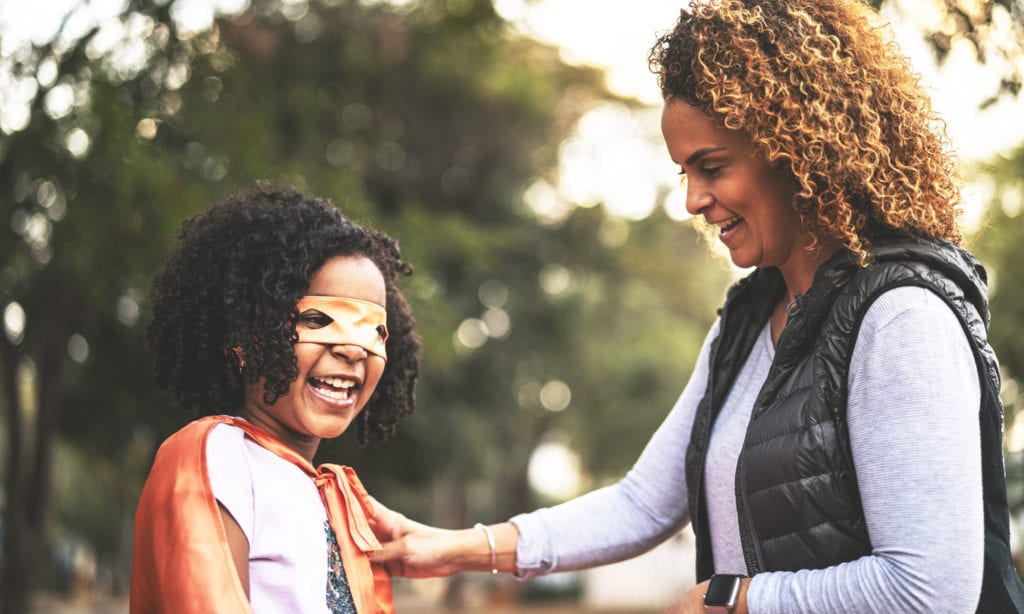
column 711, row 171
column 382, row 331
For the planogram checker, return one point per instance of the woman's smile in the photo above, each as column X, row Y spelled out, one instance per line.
column 727, row 227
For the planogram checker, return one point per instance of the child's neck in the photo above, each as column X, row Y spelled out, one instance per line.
column 305, row 445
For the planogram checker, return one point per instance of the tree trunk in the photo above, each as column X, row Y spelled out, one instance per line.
column 17, row 561
column 30, row 459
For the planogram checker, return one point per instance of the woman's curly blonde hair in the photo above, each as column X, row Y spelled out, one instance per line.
column 825, row 95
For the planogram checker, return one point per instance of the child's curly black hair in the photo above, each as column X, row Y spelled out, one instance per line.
column 233, row 279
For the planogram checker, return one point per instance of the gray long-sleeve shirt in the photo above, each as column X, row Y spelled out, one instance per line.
column 914, row 434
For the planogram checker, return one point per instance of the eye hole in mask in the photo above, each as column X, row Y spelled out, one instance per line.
column 337, row 320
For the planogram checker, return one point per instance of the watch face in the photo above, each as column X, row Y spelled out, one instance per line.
column 722, row 590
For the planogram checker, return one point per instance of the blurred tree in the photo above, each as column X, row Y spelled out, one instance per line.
column 646, row 316
column 427, row 120
column 85, row 199
column 993, row 28
column 998, row 245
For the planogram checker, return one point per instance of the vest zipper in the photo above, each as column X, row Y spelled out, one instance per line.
column 754, row 563
column 752, row 555
column 695, row 514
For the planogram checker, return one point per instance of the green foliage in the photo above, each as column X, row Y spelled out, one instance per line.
column 636, row 351
column 999, row 247
column 993, row 28
column 427, row 121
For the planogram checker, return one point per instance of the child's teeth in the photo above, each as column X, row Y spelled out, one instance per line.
column 337, row 382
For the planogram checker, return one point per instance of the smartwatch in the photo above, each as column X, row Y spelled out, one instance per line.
column 722, row 591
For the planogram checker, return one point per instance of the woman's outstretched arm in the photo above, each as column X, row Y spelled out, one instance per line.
column 617, row 522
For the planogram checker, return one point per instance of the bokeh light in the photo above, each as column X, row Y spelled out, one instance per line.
column 14, row 322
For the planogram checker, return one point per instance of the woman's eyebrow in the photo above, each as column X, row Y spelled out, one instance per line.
column 700, row 153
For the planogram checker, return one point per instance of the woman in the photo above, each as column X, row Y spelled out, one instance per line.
column 280, row 322
column 838, row 447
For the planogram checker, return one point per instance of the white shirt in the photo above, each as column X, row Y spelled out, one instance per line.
column 293, row 556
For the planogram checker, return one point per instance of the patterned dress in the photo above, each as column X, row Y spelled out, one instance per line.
column 339, row 595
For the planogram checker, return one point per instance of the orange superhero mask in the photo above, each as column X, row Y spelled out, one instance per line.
column 353, row 322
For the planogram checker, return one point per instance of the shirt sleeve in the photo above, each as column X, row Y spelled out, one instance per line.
column 914, row 399
column 227, row 465
column 645, row 508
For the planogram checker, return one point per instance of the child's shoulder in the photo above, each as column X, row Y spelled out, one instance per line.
column 228, row 451
column 188, row 446
column 194, row 434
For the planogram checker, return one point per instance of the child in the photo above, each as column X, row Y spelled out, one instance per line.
column 273, row 317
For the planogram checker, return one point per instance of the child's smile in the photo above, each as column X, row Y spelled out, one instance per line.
column 338, row 389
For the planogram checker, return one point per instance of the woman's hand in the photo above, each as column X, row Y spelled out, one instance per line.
column 415, row 550
column 410, row 549
column 693, row 601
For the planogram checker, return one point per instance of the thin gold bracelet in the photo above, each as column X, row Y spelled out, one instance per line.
column 490, row 542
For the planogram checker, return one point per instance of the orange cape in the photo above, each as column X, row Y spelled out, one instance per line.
column 182, row 563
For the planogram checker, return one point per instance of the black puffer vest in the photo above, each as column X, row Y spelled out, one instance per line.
column 796, row 488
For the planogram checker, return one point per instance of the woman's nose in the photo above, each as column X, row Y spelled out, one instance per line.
column 349, row 352
column 696, row 199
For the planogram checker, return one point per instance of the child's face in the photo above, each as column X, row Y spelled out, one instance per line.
column 335, row 380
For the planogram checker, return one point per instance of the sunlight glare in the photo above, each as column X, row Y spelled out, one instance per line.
column 975, row 197
column 59, row 101
column 21, row 24
column 1012, row 199
column 14, row 322
column 612, row 36
column 674, row 204
column 617, row 159
column 555, row 279
column 78, row 348
column 497, row 322
column 546, row 203
column 78, row 143
column 471, row 334
column 192, row 16
column 555, row 470
column 493, row 293
column 555, row 395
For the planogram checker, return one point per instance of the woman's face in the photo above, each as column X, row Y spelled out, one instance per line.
column 335, row 380
column 734, row 189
